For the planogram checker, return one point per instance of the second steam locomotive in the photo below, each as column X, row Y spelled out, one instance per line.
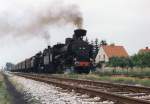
column 75, row 55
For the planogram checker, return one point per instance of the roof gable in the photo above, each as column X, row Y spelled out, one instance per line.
column 115, row 51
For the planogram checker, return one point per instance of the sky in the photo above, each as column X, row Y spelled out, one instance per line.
column 123, row 22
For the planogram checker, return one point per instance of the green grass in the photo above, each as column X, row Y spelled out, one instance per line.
column 4, row 96
column 135, row 72
column 130, row 80
column 119, row 79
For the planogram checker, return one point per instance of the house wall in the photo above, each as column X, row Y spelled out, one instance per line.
column 101, row 56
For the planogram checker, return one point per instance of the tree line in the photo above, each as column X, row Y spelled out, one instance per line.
column 138, row 60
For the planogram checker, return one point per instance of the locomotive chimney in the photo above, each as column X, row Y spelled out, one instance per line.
column 80, row 33
column 49, row 47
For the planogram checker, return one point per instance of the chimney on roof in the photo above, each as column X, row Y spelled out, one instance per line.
column 113, row 44
column 146, row 48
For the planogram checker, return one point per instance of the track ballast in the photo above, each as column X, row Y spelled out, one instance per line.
column 118, row 93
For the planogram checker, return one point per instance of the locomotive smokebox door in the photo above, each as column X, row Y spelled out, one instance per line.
column 80, row 32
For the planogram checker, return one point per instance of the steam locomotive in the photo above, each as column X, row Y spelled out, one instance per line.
column 75, row 55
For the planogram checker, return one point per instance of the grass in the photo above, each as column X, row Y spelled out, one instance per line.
column 113, row 79
column 135, row 72
column 4, row 96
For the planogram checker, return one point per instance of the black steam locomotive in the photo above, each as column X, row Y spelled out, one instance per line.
column 75, row 55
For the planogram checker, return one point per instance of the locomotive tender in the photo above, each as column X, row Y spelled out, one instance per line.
column 75, row 55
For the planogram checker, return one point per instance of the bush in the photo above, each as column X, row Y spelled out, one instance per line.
column 120, row 62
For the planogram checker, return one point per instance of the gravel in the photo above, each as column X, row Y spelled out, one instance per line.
column 41, row 93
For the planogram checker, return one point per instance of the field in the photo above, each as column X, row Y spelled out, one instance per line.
column 4, row 96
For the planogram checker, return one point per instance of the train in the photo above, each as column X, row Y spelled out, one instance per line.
column 75, row 55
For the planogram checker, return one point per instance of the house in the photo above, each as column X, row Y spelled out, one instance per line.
column 144, row 50
column 108, row 51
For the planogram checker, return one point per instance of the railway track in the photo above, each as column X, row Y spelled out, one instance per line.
column 118, row 93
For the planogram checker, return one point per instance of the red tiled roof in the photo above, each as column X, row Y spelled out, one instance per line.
column 115, row 51
column 144, row 50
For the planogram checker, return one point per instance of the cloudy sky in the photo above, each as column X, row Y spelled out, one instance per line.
column 124, row 22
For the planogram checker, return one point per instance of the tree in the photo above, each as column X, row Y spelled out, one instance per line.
column 96, row 46
column 93, row 48
column 141, row 60
column 130, row 63
column 103, row 42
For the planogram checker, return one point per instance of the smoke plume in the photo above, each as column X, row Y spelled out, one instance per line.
column 35, row 22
